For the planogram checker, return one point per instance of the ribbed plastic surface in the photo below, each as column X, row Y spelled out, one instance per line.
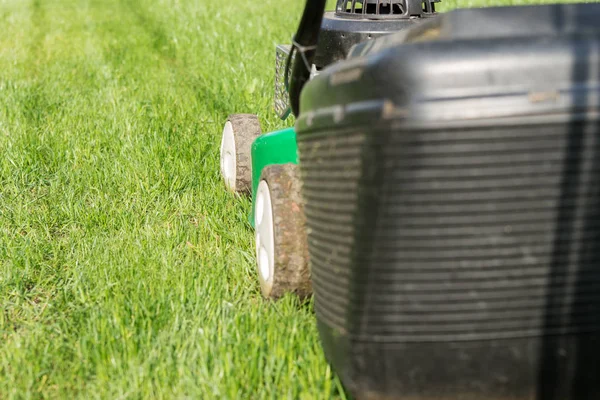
column 331, row 170
column 483, row 243
column 473, row 231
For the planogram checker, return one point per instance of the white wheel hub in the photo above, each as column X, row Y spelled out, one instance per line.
column 228, row 162
column 265, row 238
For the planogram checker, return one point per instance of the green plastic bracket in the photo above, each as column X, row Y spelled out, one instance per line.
column 273, row 148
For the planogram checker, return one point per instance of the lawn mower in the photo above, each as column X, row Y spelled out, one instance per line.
column 442, row 178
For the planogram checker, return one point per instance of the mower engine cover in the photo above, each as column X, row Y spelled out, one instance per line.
column 451, row 178
column 353, row 22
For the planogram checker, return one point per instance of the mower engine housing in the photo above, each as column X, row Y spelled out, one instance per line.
column 352, row 22
column 356, row 21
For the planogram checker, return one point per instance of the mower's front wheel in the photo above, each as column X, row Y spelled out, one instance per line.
column 236, row 144
column 281, row 244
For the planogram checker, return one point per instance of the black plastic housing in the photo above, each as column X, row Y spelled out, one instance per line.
column 339, row 34
column 451, row 177
column 357, row 21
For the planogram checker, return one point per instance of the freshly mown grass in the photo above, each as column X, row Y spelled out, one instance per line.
column 126, row 271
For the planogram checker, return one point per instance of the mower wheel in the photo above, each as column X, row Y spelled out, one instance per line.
column 281, row 244
column 236, row 143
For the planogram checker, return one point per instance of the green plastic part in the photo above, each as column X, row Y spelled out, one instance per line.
column 273, row 148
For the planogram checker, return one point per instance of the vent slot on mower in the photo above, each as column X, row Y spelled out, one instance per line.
column 381, row 9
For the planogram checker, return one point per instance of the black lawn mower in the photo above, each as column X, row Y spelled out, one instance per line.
column 449, row 171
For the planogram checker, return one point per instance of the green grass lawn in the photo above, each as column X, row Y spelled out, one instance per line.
column 126, row 271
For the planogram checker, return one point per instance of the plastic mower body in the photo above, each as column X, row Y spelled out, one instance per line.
column 450, row 197
column 451, row 177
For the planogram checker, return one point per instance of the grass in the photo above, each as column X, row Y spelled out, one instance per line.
column 126, row 271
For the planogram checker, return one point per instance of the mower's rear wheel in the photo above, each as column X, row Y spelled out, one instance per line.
column 281, row 244
column 236, row 144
